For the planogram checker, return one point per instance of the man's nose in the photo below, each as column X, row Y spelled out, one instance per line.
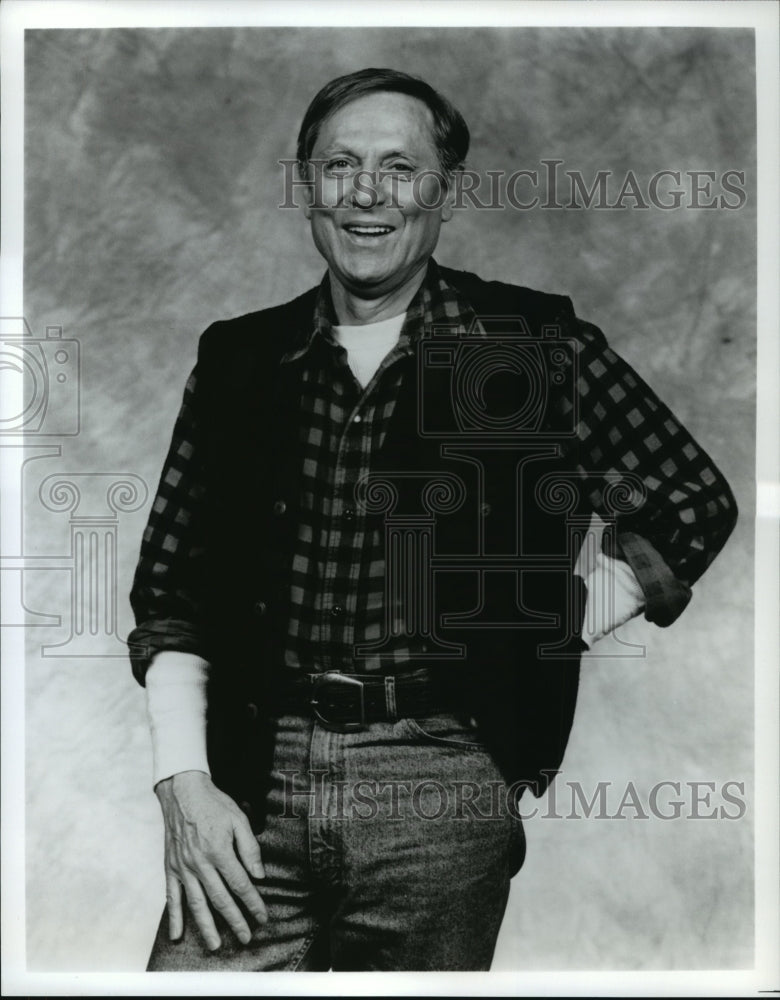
column 368, row 189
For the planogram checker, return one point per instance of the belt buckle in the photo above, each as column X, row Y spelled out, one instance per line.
column 339, row 679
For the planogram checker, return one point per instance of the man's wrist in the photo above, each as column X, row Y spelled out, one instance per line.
column 172, row 781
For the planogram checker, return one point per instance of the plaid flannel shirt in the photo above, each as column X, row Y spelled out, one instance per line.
column 338, row 570
column 337, row 577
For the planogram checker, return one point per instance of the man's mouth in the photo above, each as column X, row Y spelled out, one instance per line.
column 364, row 230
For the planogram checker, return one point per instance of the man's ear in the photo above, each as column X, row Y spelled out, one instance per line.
column 306, row 189
column 451, row 180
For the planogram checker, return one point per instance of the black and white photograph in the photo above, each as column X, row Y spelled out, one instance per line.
column 389, row 553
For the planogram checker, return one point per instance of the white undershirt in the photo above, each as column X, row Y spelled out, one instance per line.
column 176, row 707
column 368, row 345
column 176, row 682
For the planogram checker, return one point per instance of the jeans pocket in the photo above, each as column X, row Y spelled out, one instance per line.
column 447, row 730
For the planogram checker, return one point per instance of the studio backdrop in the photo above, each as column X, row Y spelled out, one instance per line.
column 153, row 186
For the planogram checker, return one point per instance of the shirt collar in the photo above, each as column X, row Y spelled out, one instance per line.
column 435, row 304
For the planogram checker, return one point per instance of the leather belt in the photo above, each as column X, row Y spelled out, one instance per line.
column 346, row 702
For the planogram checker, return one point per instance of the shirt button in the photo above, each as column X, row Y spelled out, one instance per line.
column 357, row 419
column 260, row 609
column 336, row 611
column 485, row 509
column 349, row 513
column 280, row 507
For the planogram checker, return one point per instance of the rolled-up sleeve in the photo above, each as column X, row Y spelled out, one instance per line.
column 166, row 595
column 681, row 509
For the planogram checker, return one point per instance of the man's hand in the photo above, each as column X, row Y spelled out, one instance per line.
column 209, row 849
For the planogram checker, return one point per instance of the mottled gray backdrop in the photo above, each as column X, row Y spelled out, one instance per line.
column 151, row 196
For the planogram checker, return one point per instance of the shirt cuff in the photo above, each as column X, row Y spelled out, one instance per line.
column 176, row 707
column 158, row 634
column 666, row 597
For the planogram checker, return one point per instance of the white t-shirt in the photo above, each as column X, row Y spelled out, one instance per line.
column 367, row 346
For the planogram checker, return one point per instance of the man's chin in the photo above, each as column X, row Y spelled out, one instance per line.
column 370, row 284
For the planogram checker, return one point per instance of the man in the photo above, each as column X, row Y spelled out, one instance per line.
column 359, row 604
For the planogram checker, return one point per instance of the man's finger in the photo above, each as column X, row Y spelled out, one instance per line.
column 240, row 885
column 224, row 903
column 248, row 849
column 175, row 915
column 199, row 908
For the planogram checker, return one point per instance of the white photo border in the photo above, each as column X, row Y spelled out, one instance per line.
column 16, row 16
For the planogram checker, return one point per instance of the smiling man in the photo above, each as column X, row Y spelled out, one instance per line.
column 360, row 608
column 369, row 221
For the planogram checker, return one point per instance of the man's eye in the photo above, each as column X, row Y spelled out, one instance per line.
column 337, row 166
column 400, row 168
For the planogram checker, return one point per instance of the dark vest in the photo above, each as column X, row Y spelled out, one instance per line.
column 476, row 471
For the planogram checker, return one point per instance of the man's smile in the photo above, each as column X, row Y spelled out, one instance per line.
column 370, row 231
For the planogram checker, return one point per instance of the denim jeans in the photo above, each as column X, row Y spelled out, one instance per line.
column 386, row 849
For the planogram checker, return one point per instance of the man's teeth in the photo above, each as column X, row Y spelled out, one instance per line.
column 369, row 230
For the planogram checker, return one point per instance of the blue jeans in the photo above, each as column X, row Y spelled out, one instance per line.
column 386, row 849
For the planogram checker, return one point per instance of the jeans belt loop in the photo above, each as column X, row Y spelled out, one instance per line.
column 390, row 700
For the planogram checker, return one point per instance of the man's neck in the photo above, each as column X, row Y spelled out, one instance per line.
column 352, row 309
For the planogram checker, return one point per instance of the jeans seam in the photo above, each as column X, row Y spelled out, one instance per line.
column 299, row 956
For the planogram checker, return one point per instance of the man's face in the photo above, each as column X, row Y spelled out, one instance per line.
column 367, row 211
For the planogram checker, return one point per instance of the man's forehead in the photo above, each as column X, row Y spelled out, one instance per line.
column 381, row 119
